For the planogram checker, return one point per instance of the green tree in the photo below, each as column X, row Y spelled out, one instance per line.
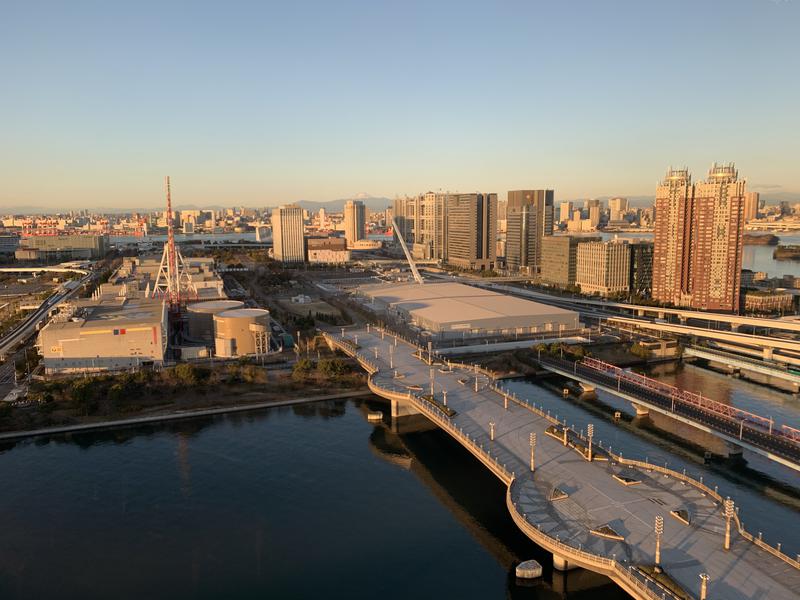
column 83, row 396
column 186, row 374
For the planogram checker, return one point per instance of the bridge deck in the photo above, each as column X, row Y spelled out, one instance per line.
column 595, row 498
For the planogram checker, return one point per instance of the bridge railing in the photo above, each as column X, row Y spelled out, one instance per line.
column 648, row 466
column 677, row 394
column 446, row 423
column 609, row 566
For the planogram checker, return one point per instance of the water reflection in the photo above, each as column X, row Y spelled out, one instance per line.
column 477, row 500
column 289, row 502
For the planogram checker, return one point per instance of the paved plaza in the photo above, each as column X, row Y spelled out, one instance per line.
column 594, row 498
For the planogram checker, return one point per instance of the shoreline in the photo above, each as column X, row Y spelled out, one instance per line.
column 177, row 416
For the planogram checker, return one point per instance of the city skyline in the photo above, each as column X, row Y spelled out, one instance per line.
column 285, row 105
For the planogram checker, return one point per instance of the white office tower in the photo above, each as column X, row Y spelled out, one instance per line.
column 355, row 222
column 288, row 242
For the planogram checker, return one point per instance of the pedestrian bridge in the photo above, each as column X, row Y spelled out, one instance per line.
column 588, row 506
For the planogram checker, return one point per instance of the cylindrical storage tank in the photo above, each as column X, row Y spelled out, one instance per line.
column 233, row 334
column 201, row 318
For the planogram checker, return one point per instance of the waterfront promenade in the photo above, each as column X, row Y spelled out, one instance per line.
column 596, row 514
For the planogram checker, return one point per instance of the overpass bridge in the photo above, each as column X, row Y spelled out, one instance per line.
column 587, row 506
column 744, row 363
column 683, row 315
column 766, row 344
column 738, row 427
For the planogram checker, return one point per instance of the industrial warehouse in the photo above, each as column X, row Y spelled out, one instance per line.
column 110, row 335
column 450, row 309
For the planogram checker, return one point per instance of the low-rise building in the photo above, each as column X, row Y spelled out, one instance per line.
column 329, row 250
column 768, row 301
column 49, row 248
column 111, row 335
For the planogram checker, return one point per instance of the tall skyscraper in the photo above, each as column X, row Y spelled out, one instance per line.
column 355, row 221
column 288, row 240
column 617, row 207
column 641, row 273
column 697, row 258
column 471, row 230
column 529, row 218
column 422, row 221
column 751, row 201
column 565, row 212
column 594, row 213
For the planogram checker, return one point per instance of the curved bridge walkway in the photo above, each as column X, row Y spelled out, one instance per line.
column 567, row 496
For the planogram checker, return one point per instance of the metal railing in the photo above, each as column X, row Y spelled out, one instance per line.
column 648, row 466
column 507, row 476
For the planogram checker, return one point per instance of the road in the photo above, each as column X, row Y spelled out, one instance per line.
column 28, row 325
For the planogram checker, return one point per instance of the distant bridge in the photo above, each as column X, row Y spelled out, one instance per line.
column 589, row 507
column 744, row 363
column 736, row 426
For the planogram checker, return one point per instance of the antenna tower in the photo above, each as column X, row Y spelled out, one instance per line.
column 172, row 274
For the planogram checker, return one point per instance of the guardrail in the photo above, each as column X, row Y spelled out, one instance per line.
column 607, row 566
column 648, row 466
column 782, row 443
column 614, row 568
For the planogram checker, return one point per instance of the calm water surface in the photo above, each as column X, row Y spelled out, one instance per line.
column 306, row 502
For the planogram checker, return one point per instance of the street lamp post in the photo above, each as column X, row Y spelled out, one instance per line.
column 659, row 530
column 590, row 435
column 491, row 430
column 704, row 577
column 728, row 516
column 444, row 396
column 533, row 450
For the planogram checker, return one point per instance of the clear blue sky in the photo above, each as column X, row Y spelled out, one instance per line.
column 259, row 103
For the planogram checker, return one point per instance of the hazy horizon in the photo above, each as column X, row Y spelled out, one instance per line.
column 261, row 104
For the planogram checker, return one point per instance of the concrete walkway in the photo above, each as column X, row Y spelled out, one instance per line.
column 594, row 497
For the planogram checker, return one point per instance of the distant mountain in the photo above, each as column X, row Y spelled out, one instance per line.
column 375, row 203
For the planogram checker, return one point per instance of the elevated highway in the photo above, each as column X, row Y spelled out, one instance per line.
column 29, row 325
column 766, row 344
column 744, row 363
column 732, row 321
column 589, row 507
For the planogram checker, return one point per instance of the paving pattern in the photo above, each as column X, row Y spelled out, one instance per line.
column 594, row 497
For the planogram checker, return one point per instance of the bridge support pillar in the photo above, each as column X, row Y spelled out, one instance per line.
column 561, row 564
column 403, row 409
column 734, row 451
column 641, row 411
column 768, row 353
column 639, row 312
column 735, row 326
column 682, row 320
column 661, row 314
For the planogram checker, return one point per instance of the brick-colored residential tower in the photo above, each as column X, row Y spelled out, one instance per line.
column 697, row 259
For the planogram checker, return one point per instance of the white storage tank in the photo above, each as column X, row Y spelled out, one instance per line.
column 201, row 318
column 241, row 331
